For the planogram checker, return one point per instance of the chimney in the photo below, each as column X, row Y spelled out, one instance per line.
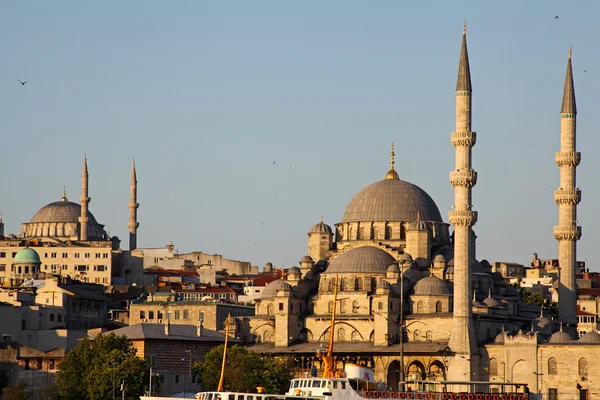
column 199, row 327
column 167, row 327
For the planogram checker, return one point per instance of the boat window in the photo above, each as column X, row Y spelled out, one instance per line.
column 335, row 384
column 304, row 383
column 240, row 397
column 232, row 397
column 258, row 397
column 296, row 383
column 316, row 384
column 343, row 385
column 250, row 397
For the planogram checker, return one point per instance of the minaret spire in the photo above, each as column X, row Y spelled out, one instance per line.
column 568, row 231
column 133, row 206
column 392, row 174
column 462, row 217
column 85, row 201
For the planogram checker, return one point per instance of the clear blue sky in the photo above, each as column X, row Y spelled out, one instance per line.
column 207, row 95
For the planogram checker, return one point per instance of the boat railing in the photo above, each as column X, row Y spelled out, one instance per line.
column 388, row 394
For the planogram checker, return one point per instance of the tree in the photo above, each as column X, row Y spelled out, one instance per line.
column 93, row 369
column 15, row 392
column 245, row 371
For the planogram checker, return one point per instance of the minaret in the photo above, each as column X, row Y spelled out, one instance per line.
column 133, row 206
column 568, row 231
column 85, row 201
column 462, row 339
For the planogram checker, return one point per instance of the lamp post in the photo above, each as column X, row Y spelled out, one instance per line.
column 190, row 371
column 400, row 264
column 114, row 378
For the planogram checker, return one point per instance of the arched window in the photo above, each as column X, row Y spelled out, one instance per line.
column 402, row 232
column 359, row 283
column 343, row 306
column 346, row 284
column 375, row 233
column 493, row 366
column 583, row 367
column 429, row 336
column 372, row 336
column 438, row 307
column 270, row 309
column 330, row 307
column 341, row 334
column 350, row 233
column 417, row 335
column 355, row 335
column 331, row 284
column 552, row 366
column 361, row 232
column 420, row 307
column 388, row 232
column 258, row 339
column 267, row 336
column 326, row 336
column 355, row 306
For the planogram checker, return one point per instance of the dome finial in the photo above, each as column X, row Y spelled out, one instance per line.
column 392, row 174
column 321, row 220
column 64, row 196
column 465, row 27
column 570, row 51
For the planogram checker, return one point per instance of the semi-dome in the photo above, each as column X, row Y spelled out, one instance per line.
column 431, row 286
column 307, row 259
column 272, row 288
column 384, row 285
column 294, row 271
column 60, row 211
column 27, row 256
column 363, row 260
column 391, row 200
column 491, row 302
column 393, row 268
column 439, row 258
column 560, row 337
column 590, row 337
column 499, row 338
column 405, row 257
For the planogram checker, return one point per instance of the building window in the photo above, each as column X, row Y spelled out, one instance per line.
column 65, row 255
column 150, row 314
column 86, row 255
column 53, row 255
column 51, row 317
column 429, row 336
column 176, row 378
column 2, row 254
column 76, row 255
column 341, row 334
column 97, row 255
column 59, row 317
column 380, row 305
column 280, row 306
column 142, row 314
column 177, row 314
column 270, row 309
column 159, row 314
column 438, row 307
column 355, row 306
column 552, row 394
column 343, row 306
column 186, row 314
column 552, row 366
column 420, row 307
column 51, row 364
column 105, row 255
column 583, row 367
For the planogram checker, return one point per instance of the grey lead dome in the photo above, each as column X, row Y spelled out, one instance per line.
column 391, row 200
column 364, row 260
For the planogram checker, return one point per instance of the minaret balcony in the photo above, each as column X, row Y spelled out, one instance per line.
column 568, row 158
column 462, row 217
column 466, row 178
column 567, row 196
column 569, row 232
column 465, row 138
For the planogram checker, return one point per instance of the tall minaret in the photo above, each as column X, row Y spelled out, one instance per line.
column 568, row 231
column 85, row 201
column 462, row 340
column 133, row 206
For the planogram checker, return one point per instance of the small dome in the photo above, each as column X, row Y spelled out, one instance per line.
column 560, row 337
column 294, row 271
column 27, row 256
column 366, row 259
column 405, row 257
column 417, row 225
column 590, row 337
column 542, row 321
column 499, row 338
column 394, row 268
column 439, row 258
column 321, row 227
column 384, row 285
column 307, row 259
column 431, row 286
column 491, row 302
column 271, row 289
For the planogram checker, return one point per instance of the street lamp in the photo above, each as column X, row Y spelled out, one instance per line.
column 114, row 378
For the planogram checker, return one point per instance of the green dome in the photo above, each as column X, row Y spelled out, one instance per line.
column 27, row 256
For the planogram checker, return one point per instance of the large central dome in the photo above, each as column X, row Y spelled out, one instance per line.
column 391, row 200
column 61, row 211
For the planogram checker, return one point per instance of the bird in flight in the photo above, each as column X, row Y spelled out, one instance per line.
column 556, row 17
column 22, row 83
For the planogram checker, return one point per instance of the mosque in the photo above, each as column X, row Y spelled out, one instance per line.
column 411, row 289
column 67, row 241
